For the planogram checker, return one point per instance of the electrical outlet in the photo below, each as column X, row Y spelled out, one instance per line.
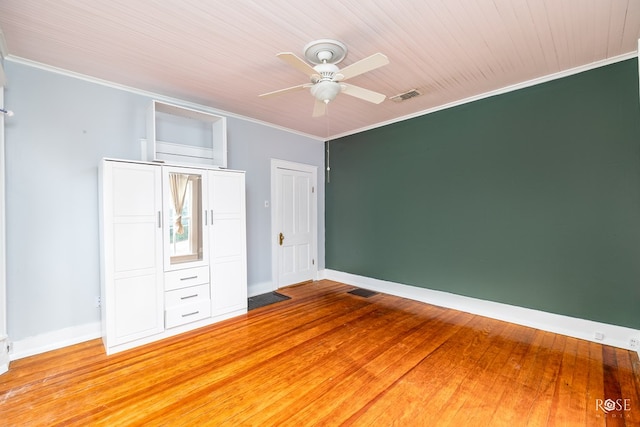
column 634, row 342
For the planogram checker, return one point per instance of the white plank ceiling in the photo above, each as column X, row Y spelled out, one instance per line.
column 222, row 54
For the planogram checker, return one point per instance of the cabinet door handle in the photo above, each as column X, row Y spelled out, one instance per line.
column 191, row 314
column 189, row 278
column 189, row 296
column 159, row 219
column 205, row 217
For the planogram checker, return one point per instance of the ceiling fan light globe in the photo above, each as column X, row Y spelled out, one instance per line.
column 325, row 91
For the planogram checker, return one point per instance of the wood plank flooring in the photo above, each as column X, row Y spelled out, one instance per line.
column 326, row 357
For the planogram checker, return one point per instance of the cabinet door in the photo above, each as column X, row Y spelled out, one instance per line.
column 133, row 291
column 227, row 239
column 187, row 218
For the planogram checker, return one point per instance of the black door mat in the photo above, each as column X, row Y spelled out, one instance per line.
column 266, row 299
column 366, row 293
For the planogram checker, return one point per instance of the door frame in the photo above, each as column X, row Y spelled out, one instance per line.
column 4, row 330
column 301, row 167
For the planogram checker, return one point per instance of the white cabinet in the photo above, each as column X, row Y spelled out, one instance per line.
column 227, row 235
column 164, row 273
column 179, row 279
column 187, row 296
column 186, row 236
column 131, row 240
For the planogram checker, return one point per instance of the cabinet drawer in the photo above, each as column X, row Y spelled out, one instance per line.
column 188, row 277
column 186, row 313
column 186, row 295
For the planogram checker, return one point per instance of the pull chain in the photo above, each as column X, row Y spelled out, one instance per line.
column 328, row 163
column 328, row 142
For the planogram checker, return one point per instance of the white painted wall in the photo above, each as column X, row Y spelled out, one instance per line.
column 63, row 126
column 246, row 153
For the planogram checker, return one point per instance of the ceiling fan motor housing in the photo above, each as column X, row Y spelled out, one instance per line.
column 326, row 71
column 325, row 51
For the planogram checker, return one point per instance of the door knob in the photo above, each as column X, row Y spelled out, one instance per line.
column 281, row 237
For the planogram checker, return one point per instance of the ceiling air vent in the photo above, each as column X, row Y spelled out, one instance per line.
column 404, row 96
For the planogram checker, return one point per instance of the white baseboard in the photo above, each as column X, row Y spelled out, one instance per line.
column 4, row 354
column 617, row 336
column 64, row 337
column 54, row 340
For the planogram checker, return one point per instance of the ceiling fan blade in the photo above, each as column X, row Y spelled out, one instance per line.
column 362, row 93
column 319, row 109
column 283, row 91
column 297, row 63
column 367, row 64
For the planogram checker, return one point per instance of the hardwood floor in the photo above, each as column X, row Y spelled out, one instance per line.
column 326, row 357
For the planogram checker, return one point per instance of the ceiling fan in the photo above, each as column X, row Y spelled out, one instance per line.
column 327, row 80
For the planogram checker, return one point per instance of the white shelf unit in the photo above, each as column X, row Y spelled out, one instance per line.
column 182, row 135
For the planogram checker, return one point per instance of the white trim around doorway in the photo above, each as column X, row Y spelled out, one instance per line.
column 285, row 164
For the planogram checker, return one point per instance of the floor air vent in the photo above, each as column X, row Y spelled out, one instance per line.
column 363, row 292
column 265, row 299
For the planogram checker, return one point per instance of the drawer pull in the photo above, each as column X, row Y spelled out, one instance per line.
column 191, row 314
column 189, row 296
column 189, row 278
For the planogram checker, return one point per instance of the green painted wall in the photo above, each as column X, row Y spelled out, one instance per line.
column 530, row 198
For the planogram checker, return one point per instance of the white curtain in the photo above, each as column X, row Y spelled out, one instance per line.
column 178, row 184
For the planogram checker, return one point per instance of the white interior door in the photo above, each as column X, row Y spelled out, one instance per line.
column 294, row 222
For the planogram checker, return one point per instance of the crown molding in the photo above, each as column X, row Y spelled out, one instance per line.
column 156, row 96
column 511, row 88
column 507, row 89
